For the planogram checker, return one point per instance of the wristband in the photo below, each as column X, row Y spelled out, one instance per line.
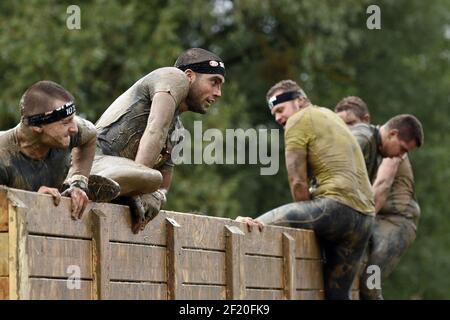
column 78, row 181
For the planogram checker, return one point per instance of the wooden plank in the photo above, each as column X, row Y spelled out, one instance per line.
column 173, row 257
column 4, row 251
column 264, row 272
column 137, row 291
column 120, row 227
column 101, row 249
column 267, row 242
column 307, row 245
column 46, row 218
column 4, row 288
column 289, row 265
column 202, row 267
column 234, row 263
column 51, row 257
column 19, row 285
column 3, row 210
column 57, row 289
column 309, row 274
column 257, row 294
column 310, row 294
column 200, row 292
column 198, row 231
column 202, row 232
column 137, row 263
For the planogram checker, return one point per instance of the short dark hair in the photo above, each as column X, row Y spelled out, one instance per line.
column 285, row 86
column 409, row 128
column 195, row 55
column 354, row 104
column 39, row 97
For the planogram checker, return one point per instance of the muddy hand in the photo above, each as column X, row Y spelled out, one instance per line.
column 79, row 202
column 251, row 223
column 53, row 192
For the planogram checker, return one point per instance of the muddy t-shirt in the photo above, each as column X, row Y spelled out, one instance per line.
column 21, row 172
column 333, row 155
column 122, row 125
column 369, row 140
column 401, row 199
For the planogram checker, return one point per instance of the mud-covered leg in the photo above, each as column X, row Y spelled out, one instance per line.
column 390, row 240
column 133, row 178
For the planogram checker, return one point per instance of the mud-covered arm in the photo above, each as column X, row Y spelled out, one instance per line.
column 167, row 173
column 385, row 177
column 296, row 164
column 155, row 134
column 83, row 151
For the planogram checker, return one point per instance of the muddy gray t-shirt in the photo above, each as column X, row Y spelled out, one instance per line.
column 369, row 140
column 21, row 172
column 122, row 125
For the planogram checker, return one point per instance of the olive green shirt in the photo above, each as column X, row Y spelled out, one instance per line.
column 333, row 157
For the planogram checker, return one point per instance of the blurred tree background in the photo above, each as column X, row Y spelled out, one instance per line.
column 324, row 45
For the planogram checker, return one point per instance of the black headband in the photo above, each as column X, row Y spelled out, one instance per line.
column 285, row 96
column 208, row 67
column 62, row 112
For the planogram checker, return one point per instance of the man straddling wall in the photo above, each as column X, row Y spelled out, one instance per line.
column 340, row 210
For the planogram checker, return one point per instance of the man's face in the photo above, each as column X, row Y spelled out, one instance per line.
column 57, row 134
column 349, row 117
column 204, row 91
column 393, row 146
column 283, row 111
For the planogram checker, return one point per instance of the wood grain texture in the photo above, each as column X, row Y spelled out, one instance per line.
column 57, row 289
column 4, row 254
column 52, row 257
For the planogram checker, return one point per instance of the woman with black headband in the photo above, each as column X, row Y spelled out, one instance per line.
column 134, row 133
column 37, row 153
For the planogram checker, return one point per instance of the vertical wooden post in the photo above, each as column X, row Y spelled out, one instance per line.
column 19, row 283
column 101, row 254
column 3, row 210
column 4, row 246
column 234, row 255
column 289, row 266
column 173, row 255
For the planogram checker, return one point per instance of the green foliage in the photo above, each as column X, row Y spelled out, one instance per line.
column 324, row 45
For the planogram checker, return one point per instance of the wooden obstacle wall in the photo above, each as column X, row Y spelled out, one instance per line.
column 177, row 256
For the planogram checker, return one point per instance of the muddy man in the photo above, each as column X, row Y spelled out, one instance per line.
column 321, row 151
column 37, row 153
column 385, row 151
column 137, row 132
